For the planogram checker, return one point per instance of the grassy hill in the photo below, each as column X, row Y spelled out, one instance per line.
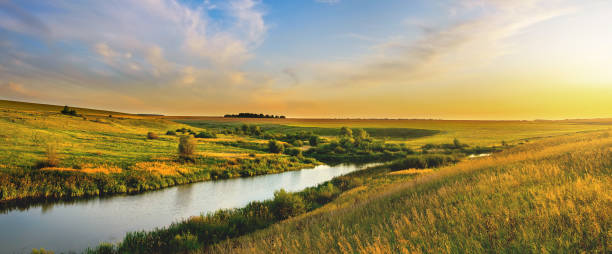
column 550, row 196
column 37, row 107
column 99, row 154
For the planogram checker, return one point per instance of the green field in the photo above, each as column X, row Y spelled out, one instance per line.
column 381, row 133
column 97, row 147
column 416, row 133
column 546, row 190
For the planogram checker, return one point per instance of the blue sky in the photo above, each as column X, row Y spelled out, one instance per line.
column 484, row 59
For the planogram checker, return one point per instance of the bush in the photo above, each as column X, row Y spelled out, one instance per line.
column 184, row 243
column 103, row 248
column 186, row 147
column 314, row 140
column 423, row 161
column 346, row 132
column 152, row 135
column 68, row 111
column 41, row 251
column 171, row 133
column 276, row 147
column 205, row 134
column 52, row 159
column 294, row 152
column 297, row 143
column 286, row 204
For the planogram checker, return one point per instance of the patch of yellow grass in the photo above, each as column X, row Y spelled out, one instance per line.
column 233, row 155
column 224, row 155
column 162, row 168
column 411, row 171
column 90, row 169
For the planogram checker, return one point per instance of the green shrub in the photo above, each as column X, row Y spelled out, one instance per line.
column 286, row 204
column 184, row 243
column 276, row 146
column 346, row 132
column 68, row 111
column 294, row 152
column 41, row 251
column 171, row 133
column 186, row 147
column 314, row 140
column 423, row 161
column 205, row 134
column 103, row 248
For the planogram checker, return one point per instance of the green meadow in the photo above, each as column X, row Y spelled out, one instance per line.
column 544, row 188
column 101, row 152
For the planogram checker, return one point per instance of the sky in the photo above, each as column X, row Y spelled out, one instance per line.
column 449, row 59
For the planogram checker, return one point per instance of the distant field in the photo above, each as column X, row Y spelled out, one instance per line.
column 419, row 132
column 391, row 133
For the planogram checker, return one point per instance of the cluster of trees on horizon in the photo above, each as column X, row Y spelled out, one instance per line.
column 252, row 115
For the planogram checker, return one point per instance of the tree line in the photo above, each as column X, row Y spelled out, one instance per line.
column 252, row 115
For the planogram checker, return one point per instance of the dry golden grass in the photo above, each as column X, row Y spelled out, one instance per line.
column 411, row 171
column 553, row 195
column 162, row 168
column 90, row 169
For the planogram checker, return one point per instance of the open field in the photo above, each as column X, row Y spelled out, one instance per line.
column 546, row 194
column 552, row 195
column 116, row 148
column 420, row 132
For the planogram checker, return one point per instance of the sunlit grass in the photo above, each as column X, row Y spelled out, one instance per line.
column 553, row 195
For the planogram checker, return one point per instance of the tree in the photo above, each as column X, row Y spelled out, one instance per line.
column 275, row 146
column 245, row 128
column 360, row 134
column 68, row 111
column 346, row 132
column 457, row 143
column 186, row 147
column 255, row 130
column 314, row 140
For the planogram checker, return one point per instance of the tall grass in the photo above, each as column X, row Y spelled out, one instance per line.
column 51, row 157
column 550, row 196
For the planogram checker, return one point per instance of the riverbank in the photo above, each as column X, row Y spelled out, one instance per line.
column 18, row 188
column 46, row 155
column 87, row 222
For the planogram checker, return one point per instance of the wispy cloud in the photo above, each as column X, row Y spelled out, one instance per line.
column 464, row 44
column 152, row 43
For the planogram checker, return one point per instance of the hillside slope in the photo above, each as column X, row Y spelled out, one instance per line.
column 95, row 153
column 552, row 195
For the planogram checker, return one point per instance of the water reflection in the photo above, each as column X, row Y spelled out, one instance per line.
column 76, row 224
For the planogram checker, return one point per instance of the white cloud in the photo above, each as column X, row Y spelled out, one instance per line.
column 159, row 37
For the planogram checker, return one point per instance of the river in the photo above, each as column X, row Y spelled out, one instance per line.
column 76, row 225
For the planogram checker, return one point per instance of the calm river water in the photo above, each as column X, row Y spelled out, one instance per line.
column 74, row 226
